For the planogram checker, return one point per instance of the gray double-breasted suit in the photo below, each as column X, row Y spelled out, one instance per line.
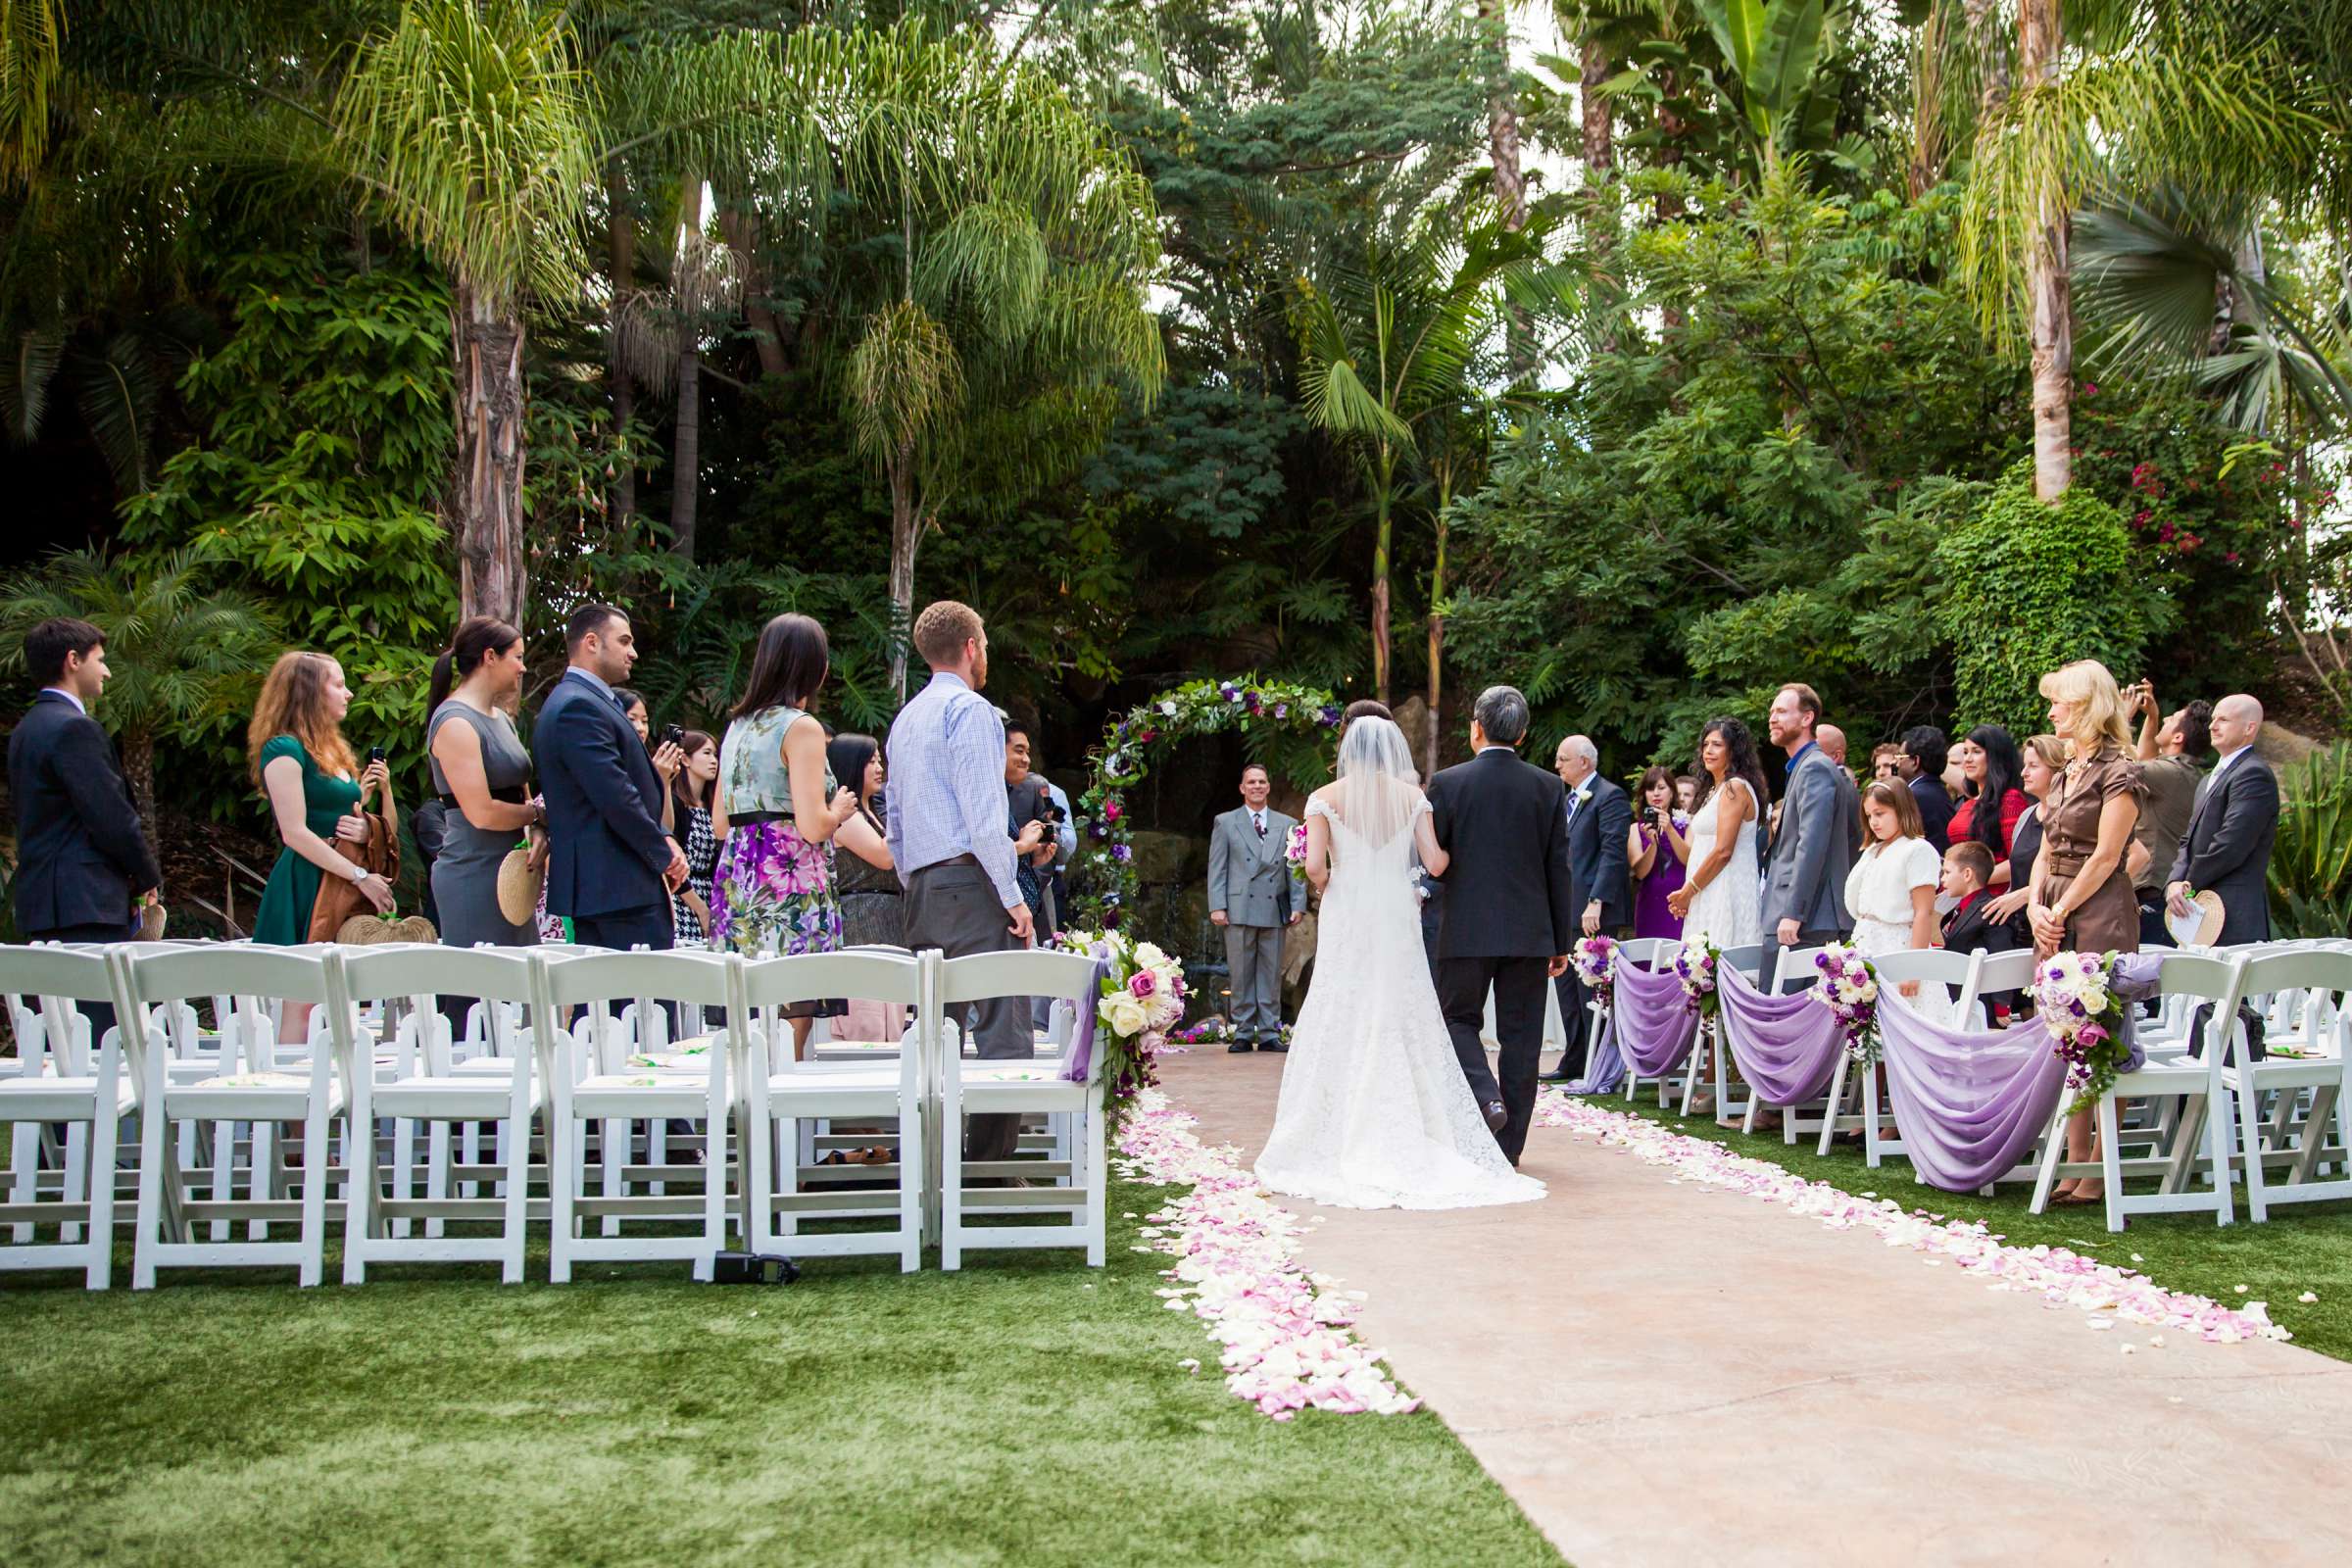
column 1250, row 879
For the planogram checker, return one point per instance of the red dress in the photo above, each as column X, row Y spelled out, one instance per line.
column 2013, row 807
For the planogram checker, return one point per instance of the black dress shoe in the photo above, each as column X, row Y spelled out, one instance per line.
column 1275, row 1046
column 1496, row 1115
column 1240, row 1048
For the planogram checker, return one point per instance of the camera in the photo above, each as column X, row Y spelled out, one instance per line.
column 674, row 734
column 753, row 1268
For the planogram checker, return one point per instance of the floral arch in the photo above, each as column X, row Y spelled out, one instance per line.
column 1105, row 886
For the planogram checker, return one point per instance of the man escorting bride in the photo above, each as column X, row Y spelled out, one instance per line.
column 1387, row 1100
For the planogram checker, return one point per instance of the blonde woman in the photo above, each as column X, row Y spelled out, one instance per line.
column 2082, row 894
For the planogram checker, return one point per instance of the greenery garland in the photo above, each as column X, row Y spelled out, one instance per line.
column 1103, row 880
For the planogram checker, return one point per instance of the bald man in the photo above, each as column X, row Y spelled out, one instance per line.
column 2226, row 849
column 1832, row 740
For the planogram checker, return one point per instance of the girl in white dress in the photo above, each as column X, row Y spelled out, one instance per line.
column 1891, row 890
column 1722, row 901
column 1375, row 1112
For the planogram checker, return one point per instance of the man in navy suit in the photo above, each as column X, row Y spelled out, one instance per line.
column 2230, row 828
column 611, row 867
column 1599, row 821
column 83, row 865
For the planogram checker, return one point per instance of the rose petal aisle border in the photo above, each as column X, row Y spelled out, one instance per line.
column 2062, row 1278
column 1285, row 1331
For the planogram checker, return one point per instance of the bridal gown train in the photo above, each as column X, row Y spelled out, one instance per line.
column 1375, row 1112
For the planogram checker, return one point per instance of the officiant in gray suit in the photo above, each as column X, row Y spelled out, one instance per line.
column 1252, row 898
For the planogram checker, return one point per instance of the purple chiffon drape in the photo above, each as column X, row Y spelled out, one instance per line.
column 1786, row 1045
column 1652, row 1024
column 1082, row 1027
column 1970, row 1103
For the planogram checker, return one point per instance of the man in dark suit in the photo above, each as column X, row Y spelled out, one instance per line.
column 610, row 865
column 1925, row 753
column 2228, row 846
column 1508, row 920
column 1598, row 820
column 84, row 866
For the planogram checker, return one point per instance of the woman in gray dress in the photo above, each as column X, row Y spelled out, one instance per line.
column 482, row 774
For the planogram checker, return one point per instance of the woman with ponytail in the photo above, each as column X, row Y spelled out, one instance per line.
column 482, row 774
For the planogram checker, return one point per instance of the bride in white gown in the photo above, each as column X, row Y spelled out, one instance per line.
column 1375, row 1112
column 1722, row 899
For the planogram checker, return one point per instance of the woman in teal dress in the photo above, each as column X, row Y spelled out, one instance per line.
column 305, row 769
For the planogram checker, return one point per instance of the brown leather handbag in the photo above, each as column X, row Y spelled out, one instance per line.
column 338, row 900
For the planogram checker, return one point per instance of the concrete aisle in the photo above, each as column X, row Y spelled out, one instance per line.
column 1663, row 1374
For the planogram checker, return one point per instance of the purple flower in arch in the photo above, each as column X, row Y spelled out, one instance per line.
column 1329, row 714
column 1122, row 853
column 1282, row 710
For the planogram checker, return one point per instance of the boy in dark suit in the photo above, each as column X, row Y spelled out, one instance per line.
column 1967, row 877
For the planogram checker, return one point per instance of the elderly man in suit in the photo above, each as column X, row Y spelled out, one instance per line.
column 2228, row 846
column 84, row 868
column 1251, row 898
column 611, row 867
column 1813, row 849
column 1598, row 820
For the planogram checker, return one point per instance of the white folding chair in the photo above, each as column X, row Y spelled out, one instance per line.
column 2196, row 1079
column 782, row 1096
column 1020, row 1088
column 429, row 1093
column 2306, row 990
column 60, row 1081
column 1937, row 972
column 252, row 1087
column 606, row 1078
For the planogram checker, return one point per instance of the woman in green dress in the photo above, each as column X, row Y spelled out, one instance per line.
column 305, row 769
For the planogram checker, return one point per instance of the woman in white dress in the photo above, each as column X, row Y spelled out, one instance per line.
column 1891, row 890
column 1722, row 899
column 1375, row 1112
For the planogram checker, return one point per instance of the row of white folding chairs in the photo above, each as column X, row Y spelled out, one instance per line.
column 567, row 1078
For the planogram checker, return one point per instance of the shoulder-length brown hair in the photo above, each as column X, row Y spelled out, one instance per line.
column 293, row 702
column 1899, row 798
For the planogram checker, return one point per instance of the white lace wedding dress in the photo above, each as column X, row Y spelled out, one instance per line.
column 1727, row 911
column 1375, row 1112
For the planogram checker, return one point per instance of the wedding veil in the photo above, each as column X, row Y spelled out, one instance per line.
column 1379, row 787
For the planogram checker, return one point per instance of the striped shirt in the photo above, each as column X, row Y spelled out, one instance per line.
column 947, row 784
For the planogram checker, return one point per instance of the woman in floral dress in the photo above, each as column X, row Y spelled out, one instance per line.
column 777, row 809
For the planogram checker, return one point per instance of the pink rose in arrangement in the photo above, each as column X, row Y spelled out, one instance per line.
column 1144, row 984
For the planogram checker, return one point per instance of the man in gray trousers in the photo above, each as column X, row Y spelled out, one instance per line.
column 1804, row 883
column 1249, row 896
column 948, row 836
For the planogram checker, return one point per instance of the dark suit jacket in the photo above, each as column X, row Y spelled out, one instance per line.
column 1935, row 810
column 2227, row 847
column 1969, row 931
column 81, row 857
column 1502, row 821
column 1597, row 863
column 606, row 847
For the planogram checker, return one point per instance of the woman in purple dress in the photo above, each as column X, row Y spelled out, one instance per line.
column 1659, row 848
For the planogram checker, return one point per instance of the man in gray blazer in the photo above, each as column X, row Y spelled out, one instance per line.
column 1249, row 896
column 1804, row 883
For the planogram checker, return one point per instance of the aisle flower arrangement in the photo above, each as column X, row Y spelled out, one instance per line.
column 1694, row 967
column 1103, row 880
column 1595, row 961
column 1142, row 997
column 1849, row 988
column 2107, row 1294
column 2075, row 995
column 1285, row 1332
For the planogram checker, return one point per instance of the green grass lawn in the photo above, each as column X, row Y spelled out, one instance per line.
column 1027, row 1410
column 2303, row 1247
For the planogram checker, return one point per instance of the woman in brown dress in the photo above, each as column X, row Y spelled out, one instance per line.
column 2082, row 898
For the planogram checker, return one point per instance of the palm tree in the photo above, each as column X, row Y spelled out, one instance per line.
column 1006, row 314
column 1387, row 346
column 186, row 656
column 470, row 121
column 30, row 34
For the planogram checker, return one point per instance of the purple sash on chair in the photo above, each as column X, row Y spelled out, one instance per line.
column 1787, row 1045
column 1654, row 1025
column 1082, row 1029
